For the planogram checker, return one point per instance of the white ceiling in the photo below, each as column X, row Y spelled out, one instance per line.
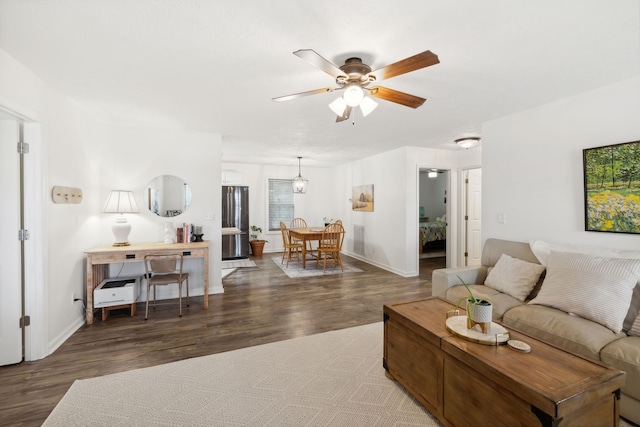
column 215, row 65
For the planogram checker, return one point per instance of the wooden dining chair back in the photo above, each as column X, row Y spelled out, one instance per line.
column 330, row 245
column 288, row 246
column 300, row 223
column 163, row 270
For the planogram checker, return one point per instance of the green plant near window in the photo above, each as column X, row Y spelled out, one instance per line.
column 255, row 233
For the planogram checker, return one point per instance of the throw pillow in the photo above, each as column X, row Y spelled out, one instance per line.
column 514, row 276
column 542, row 251
column 596, row 288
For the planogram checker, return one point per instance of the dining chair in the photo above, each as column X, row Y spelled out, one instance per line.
column 162, row 270
column 288, row 245
column 331, row 245
column 300, row 223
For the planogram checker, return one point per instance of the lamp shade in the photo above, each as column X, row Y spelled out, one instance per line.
column 338, row 106
column 367, row 106
column 121, row 201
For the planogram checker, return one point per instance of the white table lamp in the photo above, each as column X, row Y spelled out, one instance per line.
column 121, row 202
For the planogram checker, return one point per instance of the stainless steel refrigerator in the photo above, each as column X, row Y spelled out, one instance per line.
column 235, row 214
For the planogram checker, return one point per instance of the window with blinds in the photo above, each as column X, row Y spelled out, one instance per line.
column 281, row 206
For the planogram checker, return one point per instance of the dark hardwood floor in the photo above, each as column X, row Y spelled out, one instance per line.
column 259, row 305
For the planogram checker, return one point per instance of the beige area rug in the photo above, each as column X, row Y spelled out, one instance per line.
column 238, row 263
column 295, row 269
column 229, row 266
column 330, row 379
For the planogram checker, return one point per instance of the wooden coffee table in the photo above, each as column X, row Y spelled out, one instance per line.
column 463, row 383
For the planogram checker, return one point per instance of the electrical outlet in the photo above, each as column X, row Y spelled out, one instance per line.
column 210, row 216
column 74, row 298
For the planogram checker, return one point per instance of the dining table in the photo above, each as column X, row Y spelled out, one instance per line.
column 306, row 234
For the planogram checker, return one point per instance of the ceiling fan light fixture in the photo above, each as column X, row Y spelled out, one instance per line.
column 367, row 105
column 338, row 106
column 467, row 141
column 353, row 95
column 299, row 183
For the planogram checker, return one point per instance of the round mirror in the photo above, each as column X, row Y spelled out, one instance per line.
column 167, row 196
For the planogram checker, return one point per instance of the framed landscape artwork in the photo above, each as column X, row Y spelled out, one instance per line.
column 362, row 198
column 612, row 188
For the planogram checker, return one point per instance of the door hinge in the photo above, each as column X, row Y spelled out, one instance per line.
column 25, row 321
column 466, row 254
column 23, row 234
column 23, row 148
column 466, row 217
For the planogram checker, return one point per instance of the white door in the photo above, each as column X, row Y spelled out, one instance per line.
column 474, row 217
column 10, row 258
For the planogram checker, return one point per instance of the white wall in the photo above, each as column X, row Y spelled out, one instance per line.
column 79, row 151
column 391, row 231
column 315, row 204
column 532, row 165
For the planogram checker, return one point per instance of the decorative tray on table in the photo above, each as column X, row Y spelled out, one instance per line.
column 496, row 334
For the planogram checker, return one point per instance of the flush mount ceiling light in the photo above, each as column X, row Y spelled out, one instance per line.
column 299, row 183
column 433, row 173
column 467, row 141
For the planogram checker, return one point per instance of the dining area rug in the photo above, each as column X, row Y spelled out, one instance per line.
column 295, row 270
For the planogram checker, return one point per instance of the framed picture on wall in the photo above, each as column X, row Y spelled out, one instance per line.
column 612, row 188
column 362, row 198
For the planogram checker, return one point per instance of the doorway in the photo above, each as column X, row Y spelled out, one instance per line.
column 23, row 277
column 432, row 217
column 11, row 255
column 472, row 229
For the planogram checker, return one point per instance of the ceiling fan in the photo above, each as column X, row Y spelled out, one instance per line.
column 354, row 77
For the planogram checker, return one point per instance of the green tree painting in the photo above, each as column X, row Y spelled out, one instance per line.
column 612, row 188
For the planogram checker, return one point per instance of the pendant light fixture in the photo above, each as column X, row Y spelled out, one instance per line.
column 299, row 183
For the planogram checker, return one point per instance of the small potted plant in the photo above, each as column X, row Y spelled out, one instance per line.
column 257, row 244
column 479, row 311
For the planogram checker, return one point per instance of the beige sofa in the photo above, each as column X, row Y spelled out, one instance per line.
column 568, row 331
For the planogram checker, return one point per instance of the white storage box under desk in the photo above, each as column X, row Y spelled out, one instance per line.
column 116, row 291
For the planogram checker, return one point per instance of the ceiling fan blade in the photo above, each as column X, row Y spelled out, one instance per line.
column 307, row 93
column 345, row 115
column 415, row 62
column 318, row 61
column 396, row 96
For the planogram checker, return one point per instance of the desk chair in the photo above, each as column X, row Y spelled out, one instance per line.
column 162, row 270
column 288, row 245
column 331, row 245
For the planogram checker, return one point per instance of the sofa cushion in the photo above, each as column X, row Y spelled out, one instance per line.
column 501, row 302
column 494, row 248
column 624, row 354
column 514, row 276
column 569, row 332
column 592, row 287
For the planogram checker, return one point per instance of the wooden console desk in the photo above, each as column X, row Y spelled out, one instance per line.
column 98, row 260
